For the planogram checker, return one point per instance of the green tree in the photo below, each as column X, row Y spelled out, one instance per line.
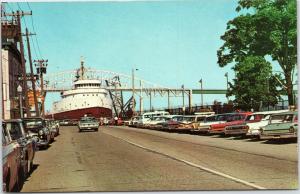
column 254, row 84
column 265, row 28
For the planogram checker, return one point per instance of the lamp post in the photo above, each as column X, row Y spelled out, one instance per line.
column 183, row 105
column 133, row 90
column 200, row 81
column 226, row 75
column 19, row 90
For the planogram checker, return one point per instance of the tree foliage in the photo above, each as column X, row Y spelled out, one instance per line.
column 265, row 28
column 254, row 84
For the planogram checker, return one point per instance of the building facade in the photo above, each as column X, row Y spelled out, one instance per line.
column 10, row 74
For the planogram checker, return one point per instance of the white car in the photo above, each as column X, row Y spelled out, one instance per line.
column 253, row 123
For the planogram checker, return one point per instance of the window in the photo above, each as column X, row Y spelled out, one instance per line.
column 14, row 130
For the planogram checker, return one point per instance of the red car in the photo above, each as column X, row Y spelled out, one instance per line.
column 234, row 119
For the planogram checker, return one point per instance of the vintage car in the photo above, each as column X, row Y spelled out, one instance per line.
column 284, row 125
column 53, row 127
column 173, row 123
column 16, row 130
column 12, row 172
column 145, row 118
column 252, row 124
column 204, row 126
column 65, row 122
column 87, row 123
column 38, row 130
column 158, row 121
column 233, row 119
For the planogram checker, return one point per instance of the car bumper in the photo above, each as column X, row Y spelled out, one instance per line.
column 42, row 142
column 255, row 132
column 235, row 132
column 277, row 136
column 215, row 132
column 88, row 127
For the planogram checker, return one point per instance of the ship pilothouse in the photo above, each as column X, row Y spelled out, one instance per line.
column 87, row 97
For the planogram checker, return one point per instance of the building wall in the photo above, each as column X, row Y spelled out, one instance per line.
column 11, row 69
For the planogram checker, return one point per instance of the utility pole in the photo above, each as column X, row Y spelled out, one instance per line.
column 133, row 91
column 18, row 15
column 41, row 66
column 183, row 104
column 201, row 82
column 32, row 75
column 141, row 97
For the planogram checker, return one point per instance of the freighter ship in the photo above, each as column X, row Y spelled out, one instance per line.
column 87, row 97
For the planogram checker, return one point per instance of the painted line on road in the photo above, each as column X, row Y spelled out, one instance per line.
column 196, row 165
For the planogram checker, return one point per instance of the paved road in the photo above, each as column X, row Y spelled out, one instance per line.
column 128, row 159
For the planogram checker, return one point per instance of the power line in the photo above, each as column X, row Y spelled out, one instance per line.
column 33, row 29
column 23, row 18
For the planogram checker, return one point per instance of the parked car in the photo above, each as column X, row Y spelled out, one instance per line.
column 252, row 124
column 157, row 122
column 54, row 130
column 134, row 121
column 38, row 130
column 16, row 130
column 233, row 119
column 190, row 122
column 284, row 125
column 173, row 123
column 12, row 172
column 65, row 122
column 205, row 126
column 145, row 118
column 88, row 123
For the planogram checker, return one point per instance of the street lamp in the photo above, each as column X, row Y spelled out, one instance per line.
column 19, row 90
column 226, row 75
column 200, row 81
column 133, row 90
column 183, row 105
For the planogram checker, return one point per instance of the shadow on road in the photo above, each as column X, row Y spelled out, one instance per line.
column 87, row 131
column 44, row 148
column 34, row 167
column 280, row 141
column 20, row 187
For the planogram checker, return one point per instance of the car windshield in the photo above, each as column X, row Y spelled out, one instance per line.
column 236, row 117
column 87, row 119
column 34, row 123
column 177, row 118
column 210, row 118
column 255, row 117
column 188, row 118
column 223, row 117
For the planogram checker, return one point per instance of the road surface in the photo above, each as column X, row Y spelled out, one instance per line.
column 130, row 159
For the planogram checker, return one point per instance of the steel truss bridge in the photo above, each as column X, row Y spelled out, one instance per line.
column 117, row 83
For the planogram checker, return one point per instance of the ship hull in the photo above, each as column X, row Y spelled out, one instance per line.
column 96, row 112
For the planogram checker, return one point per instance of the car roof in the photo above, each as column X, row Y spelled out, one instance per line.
column 286, row 113
column 29, row 118
column 12, row 120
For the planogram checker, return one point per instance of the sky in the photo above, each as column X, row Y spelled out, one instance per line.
column 170, row 42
